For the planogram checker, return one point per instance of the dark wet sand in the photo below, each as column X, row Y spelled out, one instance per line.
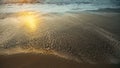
column 35, row 61
column 44, row 61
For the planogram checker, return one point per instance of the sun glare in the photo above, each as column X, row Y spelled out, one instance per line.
column 29, row 20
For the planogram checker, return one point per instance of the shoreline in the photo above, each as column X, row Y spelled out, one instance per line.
column 31, row 60
column 44, row 61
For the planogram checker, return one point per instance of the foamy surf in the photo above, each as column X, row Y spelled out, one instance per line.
column 70, row 36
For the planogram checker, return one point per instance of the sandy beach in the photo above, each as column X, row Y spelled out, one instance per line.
column 44, row 61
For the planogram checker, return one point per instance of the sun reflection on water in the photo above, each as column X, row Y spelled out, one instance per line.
column 29, row 20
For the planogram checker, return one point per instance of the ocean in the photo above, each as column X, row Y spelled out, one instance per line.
column 54, row 8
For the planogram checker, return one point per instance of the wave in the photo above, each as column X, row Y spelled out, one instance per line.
column 53, row 8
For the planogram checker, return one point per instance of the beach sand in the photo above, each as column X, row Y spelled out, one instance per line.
column 35, row 61
column 44, row 61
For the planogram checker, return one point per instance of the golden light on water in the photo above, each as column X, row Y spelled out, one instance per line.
column 29, row 20
column 25, row 1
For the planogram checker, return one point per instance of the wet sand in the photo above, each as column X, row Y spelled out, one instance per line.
column 80, row 37
column 36, row 61
column 44, row 61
